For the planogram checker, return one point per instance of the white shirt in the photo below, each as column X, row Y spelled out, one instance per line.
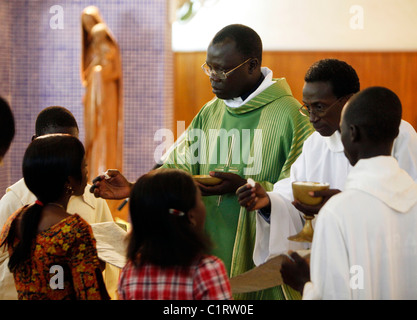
column 364, row 245
column 91, row 209
column 322, row 160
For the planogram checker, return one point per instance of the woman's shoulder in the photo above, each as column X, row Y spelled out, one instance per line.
column 71, row 230
column 72, row 224
column 76, row 220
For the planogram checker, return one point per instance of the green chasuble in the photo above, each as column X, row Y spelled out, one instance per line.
column 258, row 140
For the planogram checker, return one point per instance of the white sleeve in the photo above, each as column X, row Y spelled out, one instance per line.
column 405, row 149
column 102, row 211
column 271, row 238
column 285, row 220
column 9, row 203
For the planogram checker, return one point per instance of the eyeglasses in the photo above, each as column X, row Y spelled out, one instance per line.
column 319, row 111
column 221, row 75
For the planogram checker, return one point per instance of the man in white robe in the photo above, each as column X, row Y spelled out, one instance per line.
column 329, row 83
column 364, row 246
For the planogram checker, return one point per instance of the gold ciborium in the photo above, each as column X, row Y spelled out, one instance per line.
column 300, row 190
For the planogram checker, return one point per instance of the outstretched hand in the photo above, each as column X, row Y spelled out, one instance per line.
column 312, row 210
column 230, row 183
column 253, row 198
column 297, row 272
column 112, row 185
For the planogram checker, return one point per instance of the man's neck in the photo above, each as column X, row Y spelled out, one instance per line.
column 248, row 93
column 372, row 149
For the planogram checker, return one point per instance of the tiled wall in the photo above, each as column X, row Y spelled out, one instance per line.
column 40, row 67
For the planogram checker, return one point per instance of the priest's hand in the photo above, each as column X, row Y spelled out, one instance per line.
column 297, row 272
column 112, row 186
column 312, row 210
column 253, row 198
column 230, row 183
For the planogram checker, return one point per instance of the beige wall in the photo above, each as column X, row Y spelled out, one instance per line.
column 322, row 25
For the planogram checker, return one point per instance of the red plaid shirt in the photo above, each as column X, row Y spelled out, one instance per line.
column 204, row 280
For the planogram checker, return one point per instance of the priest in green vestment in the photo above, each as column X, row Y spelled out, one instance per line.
column 252, row 129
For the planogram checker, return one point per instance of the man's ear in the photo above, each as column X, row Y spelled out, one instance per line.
column 355, row 133
column 253, row 65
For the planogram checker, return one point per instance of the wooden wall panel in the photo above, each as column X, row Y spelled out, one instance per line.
column 191, row 86
column 395, row 70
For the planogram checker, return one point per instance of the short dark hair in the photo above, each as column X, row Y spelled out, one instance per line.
column 247, row 41
column 158, row 237
column 378, row 111
column 51, row 119
column 342, row 77
column 7, row 127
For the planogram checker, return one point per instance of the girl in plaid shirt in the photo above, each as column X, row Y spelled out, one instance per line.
column 168, row 250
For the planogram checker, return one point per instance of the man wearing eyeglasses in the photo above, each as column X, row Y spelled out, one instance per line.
column 329, row 83
column 255, row 120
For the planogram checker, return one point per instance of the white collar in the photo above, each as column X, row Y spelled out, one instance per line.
column 237, row 102
column 88, row 197
column 334, row 142
column 383, row 178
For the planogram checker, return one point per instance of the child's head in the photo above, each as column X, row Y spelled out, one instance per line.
column 54, row 164
column 370, row 123
column 167, row 216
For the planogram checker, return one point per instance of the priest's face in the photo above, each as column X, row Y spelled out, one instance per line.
column 325, row 108
column 224, row 57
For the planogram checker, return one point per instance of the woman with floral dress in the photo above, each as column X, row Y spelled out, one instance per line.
column 53, row 253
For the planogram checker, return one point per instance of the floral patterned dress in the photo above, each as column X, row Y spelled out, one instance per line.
column 66, row 249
